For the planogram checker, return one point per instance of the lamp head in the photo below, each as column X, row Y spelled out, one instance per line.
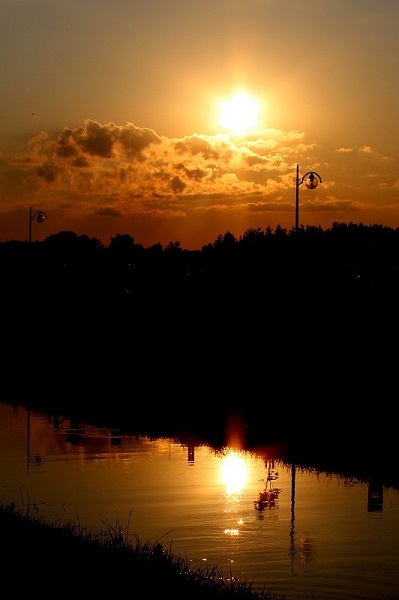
column 41, row 217
column 311, row 182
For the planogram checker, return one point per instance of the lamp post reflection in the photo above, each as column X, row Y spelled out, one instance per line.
column 268, row 499
column 38, row 216
column 28, row 439
column 292, row 528
column 37, row 459
column 311, row 180
column 306, row 545
column 375, row 496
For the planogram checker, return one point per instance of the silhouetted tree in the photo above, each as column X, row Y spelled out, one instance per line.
column 173, row 247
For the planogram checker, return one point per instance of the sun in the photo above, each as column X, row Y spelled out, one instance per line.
column 240, row 113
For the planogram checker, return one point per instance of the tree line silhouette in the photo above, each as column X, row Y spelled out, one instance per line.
column 347, row 257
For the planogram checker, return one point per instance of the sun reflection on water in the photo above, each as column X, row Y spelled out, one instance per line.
column 234, row 476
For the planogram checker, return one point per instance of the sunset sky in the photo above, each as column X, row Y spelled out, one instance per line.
column 118, row 117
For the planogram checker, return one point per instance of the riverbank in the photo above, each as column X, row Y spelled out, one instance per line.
column 51, row 556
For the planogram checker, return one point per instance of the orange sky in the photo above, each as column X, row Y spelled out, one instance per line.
column 110, row 119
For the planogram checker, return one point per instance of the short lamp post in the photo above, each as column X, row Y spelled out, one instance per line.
column 38, row 216
column 311, row 180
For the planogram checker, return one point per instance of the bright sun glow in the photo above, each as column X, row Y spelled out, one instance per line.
column 234, row 472
column 239, row 113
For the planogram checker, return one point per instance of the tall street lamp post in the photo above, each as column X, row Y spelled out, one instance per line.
column 38, row 216
column 311, row 180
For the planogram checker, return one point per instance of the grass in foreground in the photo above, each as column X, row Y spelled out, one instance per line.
column 52, row 557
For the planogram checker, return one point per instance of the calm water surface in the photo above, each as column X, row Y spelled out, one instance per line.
column 302, row 534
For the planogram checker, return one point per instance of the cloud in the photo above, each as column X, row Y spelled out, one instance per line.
column 103, row 141
column 122, row 172
column 141, row 162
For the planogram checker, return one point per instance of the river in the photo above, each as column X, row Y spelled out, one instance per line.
column 299, row 532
